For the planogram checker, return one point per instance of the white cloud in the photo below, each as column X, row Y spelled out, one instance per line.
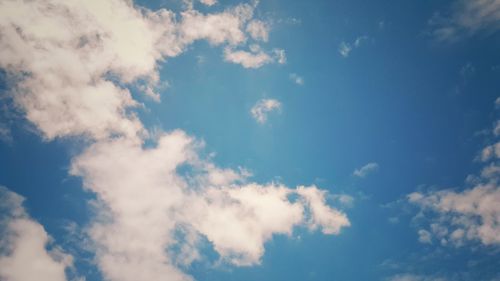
column 140, row 212
column 74, row 62
column 296, row 79
column 209, row 2
column 253, row 59
column 467, row 18
column 25, row 241
column 259, row 30
column 366, row 170
column 473, row 214
column 72, row 59
column 263, row 107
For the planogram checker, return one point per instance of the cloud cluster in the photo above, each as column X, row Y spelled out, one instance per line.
column 23, row 245
column 72, row 64
column 263, row 107
column 71, row 59
column 455, row 217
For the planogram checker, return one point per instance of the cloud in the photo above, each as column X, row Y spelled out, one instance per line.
column 24, row 243
column 263, row 107
column 424, row 236
column 253, row 59
column 366, row 170
column 141, row 212
column 473, row 214
column 73, row 61
column 297, row 79
column 209, row 2
column 359, row 41
column 280, row 56
column 345, row 48
column 259, row 30
column 466, row 19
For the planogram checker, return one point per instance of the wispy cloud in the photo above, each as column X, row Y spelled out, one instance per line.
column 366, row 170
column 467, row 18
column 345, row 48
column 299, row 80
column 263, row 107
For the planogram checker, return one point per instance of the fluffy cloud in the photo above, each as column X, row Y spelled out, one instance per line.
column 455, row 217
column 366, row 170
column 141, row 213
column 467, row 18
column 263, row 107
column 24, row 244
column 73, row 62
column 255, row 58
column 473, row 214
column 71, row 58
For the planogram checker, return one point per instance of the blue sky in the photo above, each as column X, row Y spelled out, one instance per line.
column 233, row 140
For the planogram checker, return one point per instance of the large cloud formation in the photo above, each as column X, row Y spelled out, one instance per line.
column 71, row 64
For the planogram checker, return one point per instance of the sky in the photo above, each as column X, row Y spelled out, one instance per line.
column 213, row 140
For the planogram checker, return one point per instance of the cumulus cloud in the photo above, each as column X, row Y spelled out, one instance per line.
column 473, row 214
column 141, row 212
column 366, row 170
column 467, row 18
column 73, row 62
column 67, row 56
column 296, row 79
column 24, row 244
column 263, row 107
